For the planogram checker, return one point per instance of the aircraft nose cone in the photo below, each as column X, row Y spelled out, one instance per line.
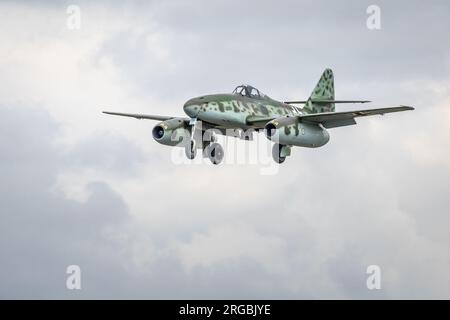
column 191, row 110
column 192, row 107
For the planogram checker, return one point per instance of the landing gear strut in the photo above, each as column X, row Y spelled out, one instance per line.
column 190, row 150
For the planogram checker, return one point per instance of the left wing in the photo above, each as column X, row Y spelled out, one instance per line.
column 346, row 118
column 139, row 116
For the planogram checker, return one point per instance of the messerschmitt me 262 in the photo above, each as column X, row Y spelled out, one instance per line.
column 246, row 110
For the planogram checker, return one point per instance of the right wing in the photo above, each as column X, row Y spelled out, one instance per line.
column 324, row 101
column 345, row 118
column 140, row 116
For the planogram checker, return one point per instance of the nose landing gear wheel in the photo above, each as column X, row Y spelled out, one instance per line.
column 215, row 153
column 190, row 150
column 276, row 153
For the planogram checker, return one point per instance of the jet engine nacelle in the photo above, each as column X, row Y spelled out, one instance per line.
column 290, row 131
column 172, row 132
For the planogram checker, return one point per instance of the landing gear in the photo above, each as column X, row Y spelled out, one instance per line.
column 277, row 153
column 215, row 153
column 190, row 150
column 207, row 142
column 211, row 148
column 208, row 138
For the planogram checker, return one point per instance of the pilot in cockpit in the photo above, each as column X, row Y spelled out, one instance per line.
column 247, row 91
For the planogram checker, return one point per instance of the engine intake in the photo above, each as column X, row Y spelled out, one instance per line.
column 158, row 132
column 270, row 130
column 171, row 132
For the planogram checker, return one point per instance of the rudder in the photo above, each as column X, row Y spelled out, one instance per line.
column 324, row 91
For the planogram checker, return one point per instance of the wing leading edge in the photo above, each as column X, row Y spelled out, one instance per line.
column 139, row 116
column 346, row 118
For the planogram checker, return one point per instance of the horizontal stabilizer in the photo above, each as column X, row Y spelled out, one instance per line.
column 323, row 101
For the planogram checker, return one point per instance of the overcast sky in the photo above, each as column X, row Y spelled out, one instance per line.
column 81, row 188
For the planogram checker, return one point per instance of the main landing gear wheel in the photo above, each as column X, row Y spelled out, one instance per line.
column 190, row 150
column 276, row 153
column 215, row 153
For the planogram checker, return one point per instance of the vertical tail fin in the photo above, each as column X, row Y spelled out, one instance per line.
column 324, row 90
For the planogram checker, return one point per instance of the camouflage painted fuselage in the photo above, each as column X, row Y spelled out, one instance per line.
column 237, row 111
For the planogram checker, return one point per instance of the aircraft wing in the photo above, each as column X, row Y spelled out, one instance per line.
column 346, row 118
column 324, row 101
column 139, row 116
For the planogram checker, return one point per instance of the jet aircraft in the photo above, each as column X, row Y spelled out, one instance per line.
column 247, row 110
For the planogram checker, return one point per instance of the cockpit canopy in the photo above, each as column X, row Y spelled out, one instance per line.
column 248, row 91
